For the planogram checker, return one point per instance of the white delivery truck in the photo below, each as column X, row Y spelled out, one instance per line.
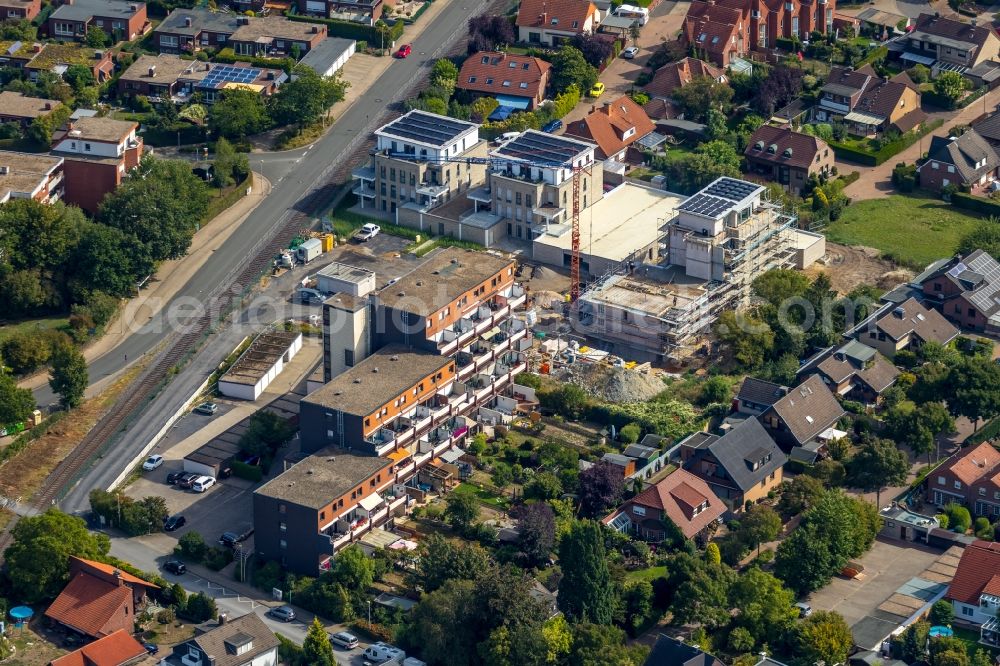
column 309, row 250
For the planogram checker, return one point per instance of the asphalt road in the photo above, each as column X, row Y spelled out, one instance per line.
column 293, row 175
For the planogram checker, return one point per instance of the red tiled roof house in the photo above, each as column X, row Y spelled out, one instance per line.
column 971, row 477
column 115, row 649
column 614, row 127
column 516, row 81
column 551, row 22
column 681, row 502
column 672, row 77
column 787, row 157
column 974, row 592
column 99, row 599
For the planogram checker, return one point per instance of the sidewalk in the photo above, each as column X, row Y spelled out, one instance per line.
column 171, row 276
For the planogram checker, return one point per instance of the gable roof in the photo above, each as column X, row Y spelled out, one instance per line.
column 739, row 450
column 977, row 275
column 110, row 570
column 911, row 316
column 712, row 31
column 974, row 464
column 606, row 126
column 672, row 652
column 88, row 603
column 224, row 640
column 946, row 31
column 761, row 392
column 679, row 495
column 523, row 75
column 855, row 359
column 808, row 409
column 965, row 152
column 883, row 97
column 976, row 570
column 114, row 649
column 847, row 81
column 672, row 76
column 989, row 127
column 542, row 13
column 782, row 145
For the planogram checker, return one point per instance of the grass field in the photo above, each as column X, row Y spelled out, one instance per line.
column 484, row 496
column 913, row 230
column 27, row 326
column 649, row 574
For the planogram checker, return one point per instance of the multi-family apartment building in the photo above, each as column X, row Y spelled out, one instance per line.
column 359, row 11
column 57, row 58
column 122, row 20
column 18, row 108
column 411, row 368
column 30, row 176
column 190, row 30
column 417, row 163
column 97, row 154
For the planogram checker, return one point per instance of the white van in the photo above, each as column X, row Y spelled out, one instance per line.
column 631, row 11
column 379, row 653
column 203, row 483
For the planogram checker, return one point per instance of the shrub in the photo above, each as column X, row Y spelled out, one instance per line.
column 191, row 546
column 200, row 608
column 377, row 631
column 216, row 559
column 249, row 472
column 959, row 517
column 166, row 616
column 983, row 528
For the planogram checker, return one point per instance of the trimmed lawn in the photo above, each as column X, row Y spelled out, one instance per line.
column 649, row 574
column 485, row 497
column 29, row 325
column 912, row 230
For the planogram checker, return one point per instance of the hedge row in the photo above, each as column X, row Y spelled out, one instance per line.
column 228, row 55
column 242, row 470
column 217, row 205
column 989, row 431
column 352, row 30
column 875, row 158
column 981, row 205
column 878, row 54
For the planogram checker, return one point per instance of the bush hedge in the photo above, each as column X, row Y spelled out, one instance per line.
column 986, row 207
column 352, row 30
column 989, row 431
column 248, row 472
column 877, row 157
column 228, row 55
column 875, row 55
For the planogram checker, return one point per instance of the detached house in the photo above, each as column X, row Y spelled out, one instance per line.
column 122, row 20
column 515, row 81
column 741, row 466
column 551, row 22
column 20, row 10
column 945, row 44
column 673, row 651
column 99, row 599
column 970, row 477
column 974, row 592
column 787, row 157
column 97, row 154
column 966, row 290
column 968, row 160
column 681, row 502
column 614, row 127
column 803, row 414
column 907, row 325
column 243, row 641
column 868, row 103
column 853, row 370
column 16, row 107
column 756, row 396
column 116, row 649
column 671, row 78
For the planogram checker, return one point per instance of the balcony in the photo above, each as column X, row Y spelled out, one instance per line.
column 837, row 107
column 363, row 190
column 382, row 440
column 480, row 195
column 365, row 173
column 432, row 190
column 481, row 386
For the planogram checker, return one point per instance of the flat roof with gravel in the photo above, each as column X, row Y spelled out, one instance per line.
column 318, row 478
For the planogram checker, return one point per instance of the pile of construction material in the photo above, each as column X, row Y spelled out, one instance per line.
column 613, row 384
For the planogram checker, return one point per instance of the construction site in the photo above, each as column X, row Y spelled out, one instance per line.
column 720, row 240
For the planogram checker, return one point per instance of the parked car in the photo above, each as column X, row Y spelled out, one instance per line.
column 597, row 90
column 203, row 483
column 152, row 462
column 344, row 640
column 207, row 408
column 367, row 232
column 230, row 539
column 174, row 522
column 151, row 648
column 630, row 52
column 175, row 567
column 404, row 50
column 283, row 613
column 174, row 477
column 552, row 126
column 805, row 610
column 186, row 480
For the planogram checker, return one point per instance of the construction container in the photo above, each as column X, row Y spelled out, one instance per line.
column 309, row 250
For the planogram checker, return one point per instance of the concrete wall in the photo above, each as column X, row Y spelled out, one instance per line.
column 810, row 248
column 436, row 225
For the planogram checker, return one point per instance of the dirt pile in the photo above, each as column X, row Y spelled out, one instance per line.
column 616, row 385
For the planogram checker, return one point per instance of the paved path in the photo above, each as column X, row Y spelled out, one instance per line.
column 876, row 182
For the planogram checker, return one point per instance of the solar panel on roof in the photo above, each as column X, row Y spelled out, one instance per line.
column 706, row 204
column 223, row 74
column 541, row 148
column 427, row 128
column 14, row 48
column 731, row 188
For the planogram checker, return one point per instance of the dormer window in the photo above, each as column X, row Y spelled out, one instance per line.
column 576, row 24
column 486, row 60
column 702, row 37
column 772, row 149
column 512, row 65
column 525, row 66
column 472, row 79
column 759, row 145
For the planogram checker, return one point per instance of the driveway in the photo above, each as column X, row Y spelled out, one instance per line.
column 888, row 565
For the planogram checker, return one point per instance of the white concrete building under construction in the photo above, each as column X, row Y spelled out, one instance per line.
column 719, row 241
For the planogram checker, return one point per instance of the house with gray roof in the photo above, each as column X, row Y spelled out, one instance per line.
column 853, row 370
column 673, row 651
column 968, row 160
column 241, row 641
column 757, row 395
column 803, row 414
column 966, row 290
column 907, row 324
column 743, row 465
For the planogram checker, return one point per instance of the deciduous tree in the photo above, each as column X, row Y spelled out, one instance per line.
column 601, row 487
column 68, row 378
column 877, row 465
column 462, row 511
column 306, row 97
column 766, row 607
column 239, row 114
column 701, row 94
column 537, row 527
column 569, row 67
column 823, row 636
column 16, row 404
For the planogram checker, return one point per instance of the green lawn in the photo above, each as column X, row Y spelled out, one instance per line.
column 29, row 325
column 484, row 496
column 649, row 574
column 913, row 230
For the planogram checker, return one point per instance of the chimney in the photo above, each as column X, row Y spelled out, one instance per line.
column 973, row 23
column 4, row 170
column 314, row 30
column 118, row 576
column 98, row 55
column 222, row 619
column 152, row 70
column 187, row 21
column 36, row 48
column 48, row 106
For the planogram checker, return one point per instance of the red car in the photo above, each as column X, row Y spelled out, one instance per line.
column 404, row 51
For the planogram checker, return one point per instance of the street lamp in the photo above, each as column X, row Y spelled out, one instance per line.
column 369, row 612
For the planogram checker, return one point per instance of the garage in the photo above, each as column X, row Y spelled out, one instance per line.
column 259, row 365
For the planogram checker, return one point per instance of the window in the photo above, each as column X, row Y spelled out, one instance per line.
column 968, row 611
column 349, row 358
column 982, row 492
column 86, row 147
column 283, row 527
column 941, row 481
column 522, row 84
column 506, row 84
column 282, row 508
column 283, row 544
column 958, row 485
column 489, row 81
column 638, row 510
column 472, row 79
column 329, row 434
column 951, row 168
column 934, row 165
